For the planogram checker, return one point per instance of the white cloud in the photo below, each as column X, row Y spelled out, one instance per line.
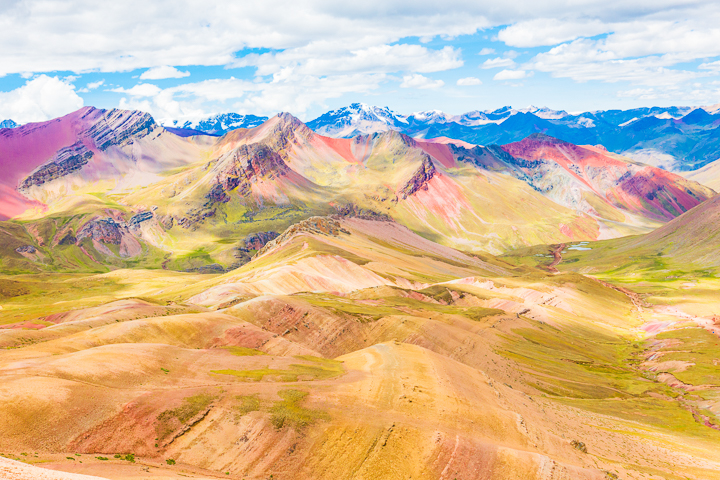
column 329, row 44
column 82, row 36
column 543, row 31
column 497, row 62
column 419, row 81
column 585, row 60
column 468, row 81
column 91, row 86
column 139, row 90
column 41, row 98
column 328, row 58
column 714, row 66
column 512, row 75
column 164, row 71
column 293, row 93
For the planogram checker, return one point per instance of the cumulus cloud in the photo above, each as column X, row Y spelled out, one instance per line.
column 585, row 60
column 469, row 81
column 293, row 93
column 139, row 90
column 328, row 44
column 41, row 98
column 498, row 62
column 327, row 58
column 512, row 75
column 420, row 81
column 159, row 73
column 544, row 31
column 91, row 86
column 123, row 36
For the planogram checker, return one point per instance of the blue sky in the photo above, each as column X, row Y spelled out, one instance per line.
column 184, row 60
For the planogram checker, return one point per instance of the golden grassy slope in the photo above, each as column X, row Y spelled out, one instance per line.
column 449, row 367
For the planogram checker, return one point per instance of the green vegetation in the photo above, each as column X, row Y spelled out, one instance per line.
column 289, row 410
column 128, row 457
column 170, row 461
column 320, row 369
column 102, row 458
column 244, row 351
column 170, row 420
column 395, row 305
column 697, row 346
column 247, row 403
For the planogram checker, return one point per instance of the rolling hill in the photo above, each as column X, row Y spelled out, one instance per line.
column 347, row 348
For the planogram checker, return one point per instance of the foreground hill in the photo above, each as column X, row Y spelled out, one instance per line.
column 347, row 348
column 108, row 189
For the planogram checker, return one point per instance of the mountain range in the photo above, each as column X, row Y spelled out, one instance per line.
column 116, row 166
column 279, row 301
column 674, row 138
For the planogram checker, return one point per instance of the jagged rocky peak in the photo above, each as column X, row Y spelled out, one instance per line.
column 420, row 178
column 222, row 123
column 247, row 162
column 118, row 127
column 97, row 130
column 286, row 130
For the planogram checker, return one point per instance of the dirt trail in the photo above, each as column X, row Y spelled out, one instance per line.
column 557, row 253
column 636, row 300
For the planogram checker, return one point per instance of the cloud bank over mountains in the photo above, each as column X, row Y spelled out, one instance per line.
column 182, row 59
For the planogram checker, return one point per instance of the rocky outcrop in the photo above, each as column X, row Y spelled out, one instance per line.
column 26, row 249
column 68, row 239
column 119, row 127
column 138, row 218
column 65, row 162
column 315, row 225
column 211, row 268
column 256, row 241
column 248, row 164
column 419, row 179
column 166, row 221
column 249, row 245
column 352, row 210
column 105, row 230
column 99, row 130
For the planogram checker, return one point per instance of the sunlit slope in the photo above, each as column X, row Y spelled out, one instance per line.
column 446, row 366
column 708, row 175
column 609, row 187
column 194, row 203
column 686, row 247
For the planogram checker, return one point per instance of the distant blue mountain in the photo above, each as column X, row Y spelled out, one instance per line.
column 188, row 132
column 677, row 138
column 8, row 124
column 221, row 124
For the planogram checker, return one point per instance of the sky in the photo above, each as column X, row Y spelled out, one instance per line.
column 183, row 60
